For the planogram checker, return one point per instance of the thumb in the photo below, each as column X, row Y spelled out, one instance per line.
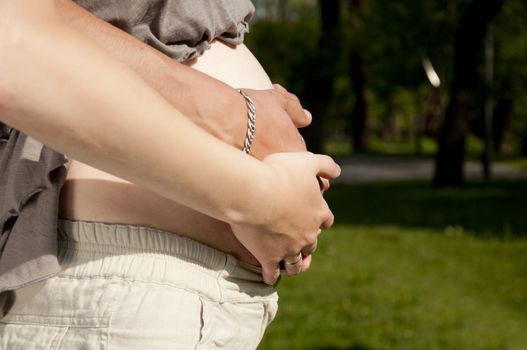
column 326, row 167
column 291, row 104
column 270, row 273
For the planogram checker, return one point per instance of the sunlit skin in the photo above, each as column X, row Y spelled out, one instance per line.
column 92, row 195
column 174, row 158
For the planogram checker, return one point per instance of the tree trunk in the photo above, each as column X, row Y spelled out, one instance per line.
column 357, row 75
column 360, row 110
column 467, row 58
column 524, row 144
column 502, row 115
column 319, row 81
column 391, row 129
column 282, row 10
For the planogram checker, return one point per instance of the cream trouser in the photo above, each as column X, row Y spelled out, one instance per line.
column 129, row 287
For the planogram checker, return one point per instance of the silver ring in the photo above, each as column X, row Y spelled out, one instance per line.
column 313, row 250
column 296, row 262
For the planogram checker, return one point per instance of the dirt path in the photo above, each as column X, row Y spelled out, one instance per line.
column 368, row 168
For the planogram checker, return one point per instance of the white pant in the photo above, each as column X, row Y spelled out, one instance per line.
column 129, row 287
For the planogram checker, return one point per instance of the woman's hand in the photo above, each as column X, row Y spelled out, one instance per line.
column 275, row 207
column 288, row 220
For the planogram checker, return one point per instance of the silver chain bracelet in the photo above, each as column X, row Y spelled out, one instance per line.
column 251, row 122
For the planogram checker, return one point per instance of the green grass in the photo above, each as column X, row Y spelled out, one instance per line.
column 383, row 147
column 496, row 209
column 402, row 147
column 406, row 147
column 411, row 267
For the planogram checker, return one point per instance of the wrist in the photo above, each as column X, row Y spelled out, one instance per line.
column 234, row 121
column 248, row 210
column 226, row 119
column 251, row 123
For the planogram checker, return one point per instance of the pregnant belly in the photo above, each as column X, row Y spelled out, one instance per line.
column 93, row 195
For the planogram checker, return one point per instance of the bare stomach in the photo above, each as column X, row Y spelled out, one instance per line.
column 93, row 195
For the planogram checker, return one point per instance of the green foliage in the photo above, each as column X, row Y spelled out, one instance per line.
column 283, row 49
column 510, row 31
column 410, row 267
column 406, row 147
column 400, row 34
column 393, row 37
column 402, row 147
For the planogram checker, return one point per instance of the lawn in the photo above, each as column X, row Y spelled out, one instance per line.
column 408, row 267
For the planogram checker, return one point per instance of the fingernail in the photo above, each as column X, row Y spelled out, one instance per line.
column 308, row 114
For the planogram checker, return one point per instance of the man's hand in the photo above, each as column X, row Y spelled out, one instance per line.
column 279, row 114
column 209, row 103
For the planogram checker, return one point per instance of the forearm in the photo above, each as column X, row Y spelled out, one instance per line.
column 66, row 92
column 62, row 89
column 209, row 103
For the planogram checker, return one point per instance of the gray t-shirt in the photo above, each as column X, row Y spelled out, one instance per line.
column 182, row 29
column 31, row 174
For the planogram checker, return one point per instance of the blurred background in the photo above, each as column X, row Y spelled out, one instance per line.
column 423, row 103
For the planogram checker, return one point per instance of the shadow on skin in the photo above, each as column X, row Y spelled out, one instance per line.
column 125, row 203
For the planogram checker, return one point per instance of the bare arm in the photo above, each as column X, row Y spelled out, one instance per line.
column 58, row 87
column 209, row 103
column 223, row 116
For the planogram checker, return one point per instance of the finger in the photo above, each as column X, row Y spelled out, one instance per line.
column 309, row 116
column 310, row 249
column 290, row 102
column 270, row 273
column 306, row 262
column 301, row 138
column 325, row 184
column 283, row 91
column 293, row 265
column 320, row 183
column 279, row 88
column 296, row 112
column 327, row 220
column 326, row 167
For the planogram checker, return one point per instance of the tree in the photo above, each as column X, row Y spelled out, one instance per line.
column 357, row 74
column 322, row 69
column 510, row 112
column 359, row 114
column 468, row 46
column 502, row 114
